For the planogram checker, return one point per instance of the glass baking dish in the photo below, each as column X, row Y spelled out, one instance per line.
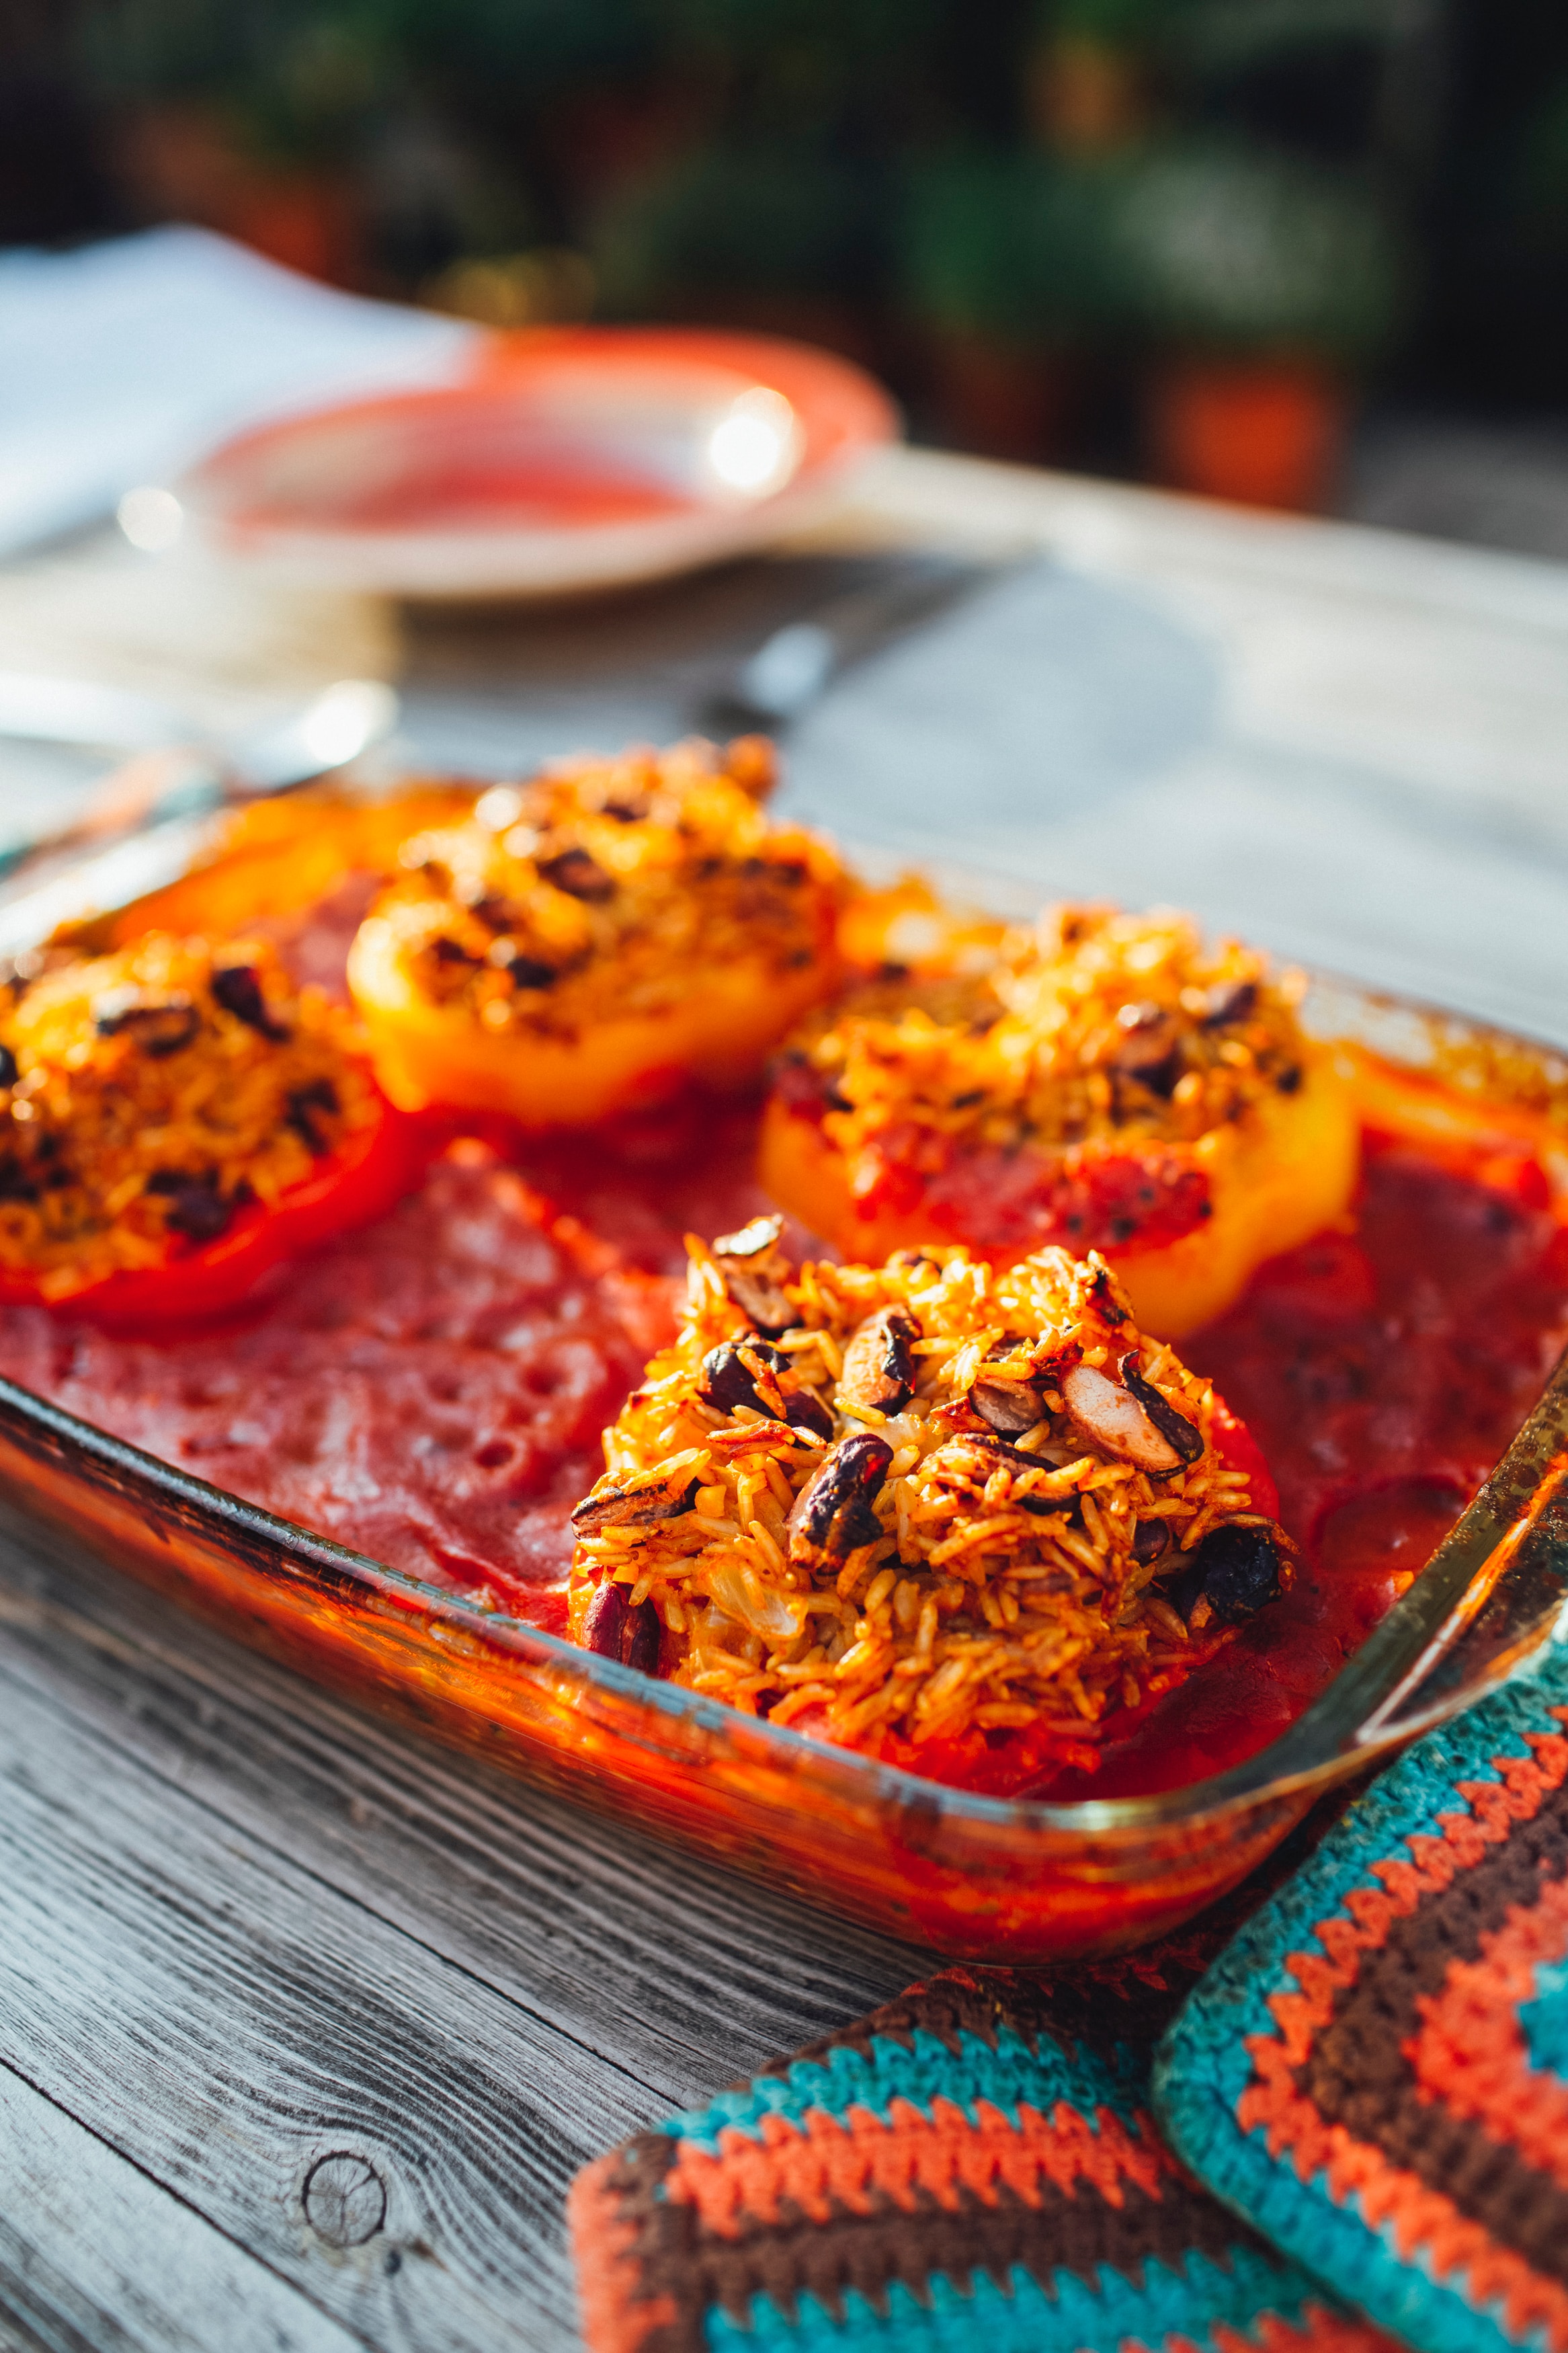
column 975, row 1877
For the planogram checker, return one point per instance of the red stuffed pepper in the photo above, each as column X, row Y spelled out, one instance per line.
column 174, row 1121
column 964, row 1521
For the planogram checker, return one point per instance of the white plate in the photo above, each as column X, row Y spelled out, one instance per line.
column 567, row 462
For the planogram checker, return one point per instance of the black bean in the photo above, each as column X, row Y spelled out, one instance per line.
column 1154, row 1063
column 237, row 989
column 634, row 1507
column 15, row 1184
column 197, row 1208
column 156, row 1030
column 614, row 1631
column 1160, row 1077
column 728, row 1381
column 1152, row 1052
column 749, row 1261
column 1229, row 1001
column 528, row 973
column 1235, row 1570
column 639, row 1643
column 805, row 1411
column 304, row 1103
column 1173, row 1426
column 580, row 876
column 8, row 1071
column 1007, row 1406
column 1104, row 1289
column 606, row 1620
column 495, row 913
column 1113, row 1420
column 757, row 1295
column 833, row 1511
column 879, row 1365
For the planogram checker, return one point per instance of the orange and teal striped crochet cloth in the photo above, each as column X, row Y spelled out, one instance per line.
column 1357, row 2123
column 973, row 2169
column 1376, row 2072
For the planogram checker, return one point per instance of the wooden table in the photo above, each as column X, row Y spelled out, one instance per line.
column 305, row 2025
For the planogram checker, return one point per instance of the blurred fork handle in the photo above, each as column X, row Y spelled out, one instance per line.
column 182, row 778
column 98, row 882
column 149, row 788
column 795, row 665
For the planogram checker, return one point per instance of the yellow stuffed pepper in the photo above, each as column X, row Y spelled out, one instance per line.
column 1104, row 1082
column 585, row 943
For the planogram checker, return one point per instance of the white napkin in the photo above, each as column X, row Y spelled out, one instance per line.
column 121, row 361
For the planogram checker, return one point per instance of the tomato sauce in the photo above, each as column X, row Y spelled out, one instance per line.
column 431, row 1390
column 1384, row 1373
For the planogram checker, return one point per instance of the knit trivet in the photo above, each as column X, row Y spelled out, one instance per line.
column 1376, row 2074
column 970, row 2170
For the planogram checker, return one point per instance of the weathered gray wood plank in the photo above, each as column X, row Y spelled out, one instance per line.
column 95, row 2255
column 243, row 1925
column 227, row 2021
column 678, row 1971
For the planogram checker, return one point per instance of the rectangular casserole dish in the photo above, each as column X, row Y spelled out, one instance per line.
column 973, row 1876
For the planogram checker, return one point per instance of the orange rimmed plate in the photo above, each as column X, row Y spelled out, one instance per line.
column 565, row 460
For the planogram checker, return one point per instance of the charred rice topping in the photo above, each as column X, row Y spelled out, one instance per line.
column 147, row 1096
column 1094, row 1027
column 917, row 1500
column 605, row 888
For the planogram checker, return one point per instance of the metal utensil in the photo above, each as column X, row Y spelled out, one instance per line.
column 345, row 721
column 794, row 667
column 78, row 710
column 97, row 884
column 333, row 728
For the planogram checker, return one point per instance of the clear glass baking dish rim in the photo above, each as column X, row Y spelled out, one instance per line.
column 1328, row 1741
column 1353, row 1722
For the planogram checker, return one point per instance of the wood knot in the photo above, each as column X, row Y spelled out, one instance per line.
column 345, row 2200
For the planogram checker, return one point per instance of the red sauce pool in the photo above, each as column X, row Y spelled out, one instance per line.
column 1384, row 1373
column 431, row 1391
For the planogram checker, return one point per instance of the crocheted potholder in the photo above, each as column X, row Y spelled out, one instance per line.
column 970, row 2170
column 1376, row 2072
